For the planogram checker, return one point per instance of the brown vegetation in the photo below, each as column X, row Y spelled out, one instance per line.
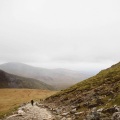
column 10, row 99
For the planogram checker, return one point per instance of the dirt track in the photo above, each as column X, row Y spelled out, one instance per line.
column 29, row 112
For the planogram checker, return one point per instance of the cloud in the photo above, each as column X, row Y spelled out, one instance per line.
column 71, row 34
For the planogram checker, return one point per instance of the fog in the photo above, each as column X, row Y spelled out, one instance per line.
column 78, row 35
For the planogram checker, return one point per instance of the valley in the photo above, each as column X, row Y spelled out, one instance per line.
column 96, row 98
column 57, row 78
column 11, row 99
column 13, row 81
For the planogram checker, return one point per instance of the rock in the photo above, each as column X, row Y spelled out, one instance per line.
column 73, row 106
column 86, row 104
column 73, row 111
column 117, row 108
column 102, row 115
column 45, row 106
column 109, row 99
column 21, row 112
column 63, row 118
column 78, row 107
column 93, row 115
column 110, row 93
column 110, row 110
column 11, row 116
column 78, row 101
column 116, row 116
column 39, row 105
column 69, row 119
column 92, row 105
column 59, row 117
column 100, row 110
column 63, row 109
column 65, row 114
column 99, row 101
column 79, row 113
column 58, row 111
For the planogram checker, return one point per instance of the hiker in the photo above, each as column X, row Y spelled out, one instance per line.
column 32, row 102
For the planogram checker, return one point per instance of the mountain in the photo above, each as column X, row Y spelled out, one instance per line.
column 13, row 81
column 58, row 78
column 96, row 98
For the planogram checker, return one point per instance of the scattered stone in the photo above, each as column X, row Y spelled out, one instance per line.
column 63, row 118
column 65, row 114
column 79, row 113
column 110, row 110
column 58, row 111
column 100, row 110
column 73, row 107
column 116, row 116
column 59, row 117
column 11, row 116
column 73, row 111
column 68, row 118
column 21, row 112
column 93, row 115
column 34, row 113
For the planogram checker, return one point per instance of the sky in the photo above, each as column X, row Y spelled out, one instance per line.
column 80, row 35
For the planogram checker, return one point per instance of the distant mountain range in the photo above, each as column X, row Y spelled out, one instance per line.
column 12, row 81
column 58, row 78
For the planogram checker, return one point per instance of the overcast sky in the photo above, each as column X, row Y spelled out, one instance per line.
column 73, row 34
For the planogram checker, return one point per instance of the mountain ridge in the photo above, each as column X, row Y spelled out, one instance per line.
column 13, row 81
column 58, row 78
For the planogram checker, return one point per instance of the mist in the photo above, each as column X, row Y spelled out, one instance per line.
column 76, row 35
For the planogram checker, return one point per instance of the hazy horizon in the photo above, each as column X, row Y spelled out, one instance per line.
column 82, row 71
column 76, row 35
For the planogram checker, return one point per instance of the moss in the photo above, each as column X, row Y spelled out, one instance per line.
column 117, row 100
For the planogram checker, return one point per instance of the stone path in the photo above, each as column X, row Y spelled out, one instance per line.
column 29, row 112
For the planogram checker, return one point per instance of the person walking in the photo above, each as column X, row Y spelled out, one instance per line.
column 32, row 102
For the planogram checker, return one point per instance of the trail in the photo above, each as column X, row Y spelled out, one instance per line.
column 29, row 112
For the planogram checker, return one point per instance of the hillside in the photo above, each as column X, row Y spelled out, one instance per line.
column 13, row 81
column 58, row 78
column 98, row 96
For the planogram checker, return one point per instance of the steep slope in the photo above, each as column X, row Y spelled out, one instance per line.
column 101, row 91
column 59, row 78
column 13, row 81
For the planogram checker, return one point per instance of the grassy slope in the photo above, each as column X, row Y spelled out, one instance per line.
column 12, row 98
column 105, row 85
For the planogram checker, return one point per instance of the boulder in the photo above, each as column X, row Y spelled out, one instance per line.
column 116, row 116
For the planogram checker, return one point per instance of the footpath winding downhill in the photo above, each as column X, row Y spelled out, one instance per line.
column 29, row 112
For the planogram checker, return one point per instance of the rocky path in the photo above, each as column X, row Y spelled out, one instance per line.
column 29, row 112
column 51, row 112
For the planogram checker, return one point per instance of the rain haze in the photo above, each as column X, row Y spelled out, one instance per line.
column 79, row 35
